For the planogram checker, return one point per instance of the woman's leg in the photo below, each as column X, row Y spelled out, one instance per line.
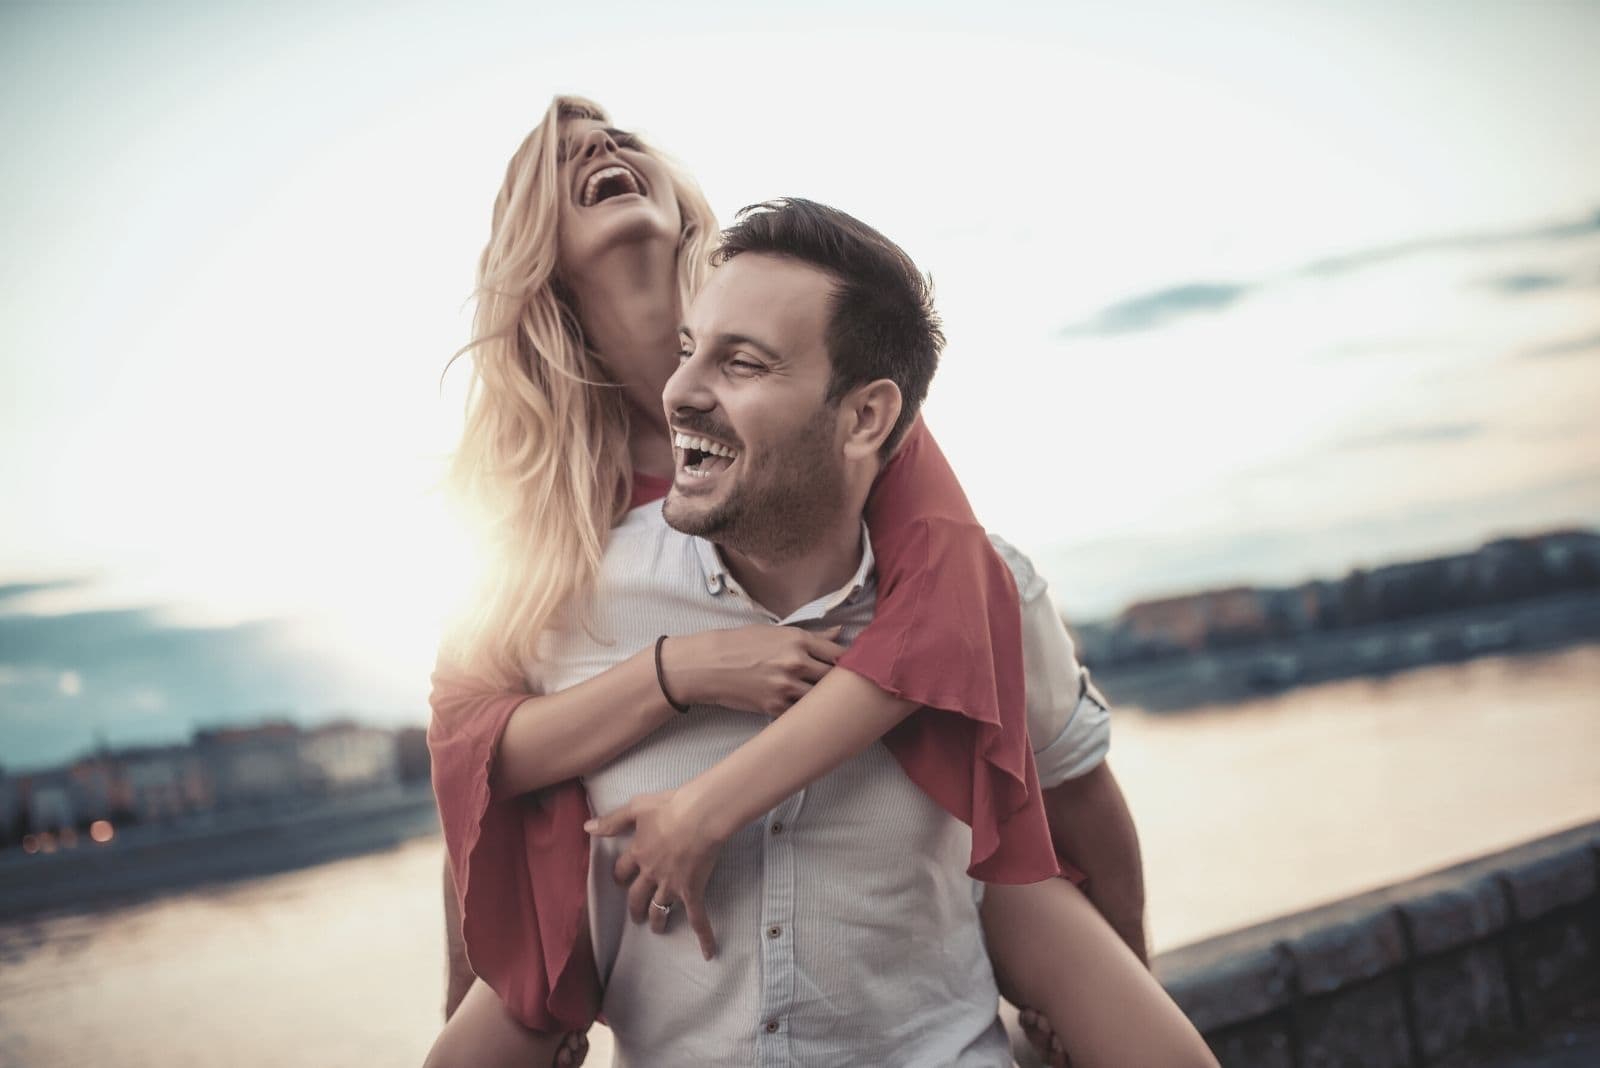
column 1053, row 952
column 483, row 1034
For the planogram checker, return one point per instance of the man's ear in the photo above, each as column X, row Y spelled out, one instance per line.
column 869, row 413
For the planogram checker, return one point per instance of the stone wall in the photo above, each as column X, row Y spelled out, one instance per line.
column 1400, row 977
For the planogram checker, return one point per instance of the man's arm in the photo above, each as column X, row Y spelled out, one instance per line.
column 458, row 973
column 1091, row 825
column 1069, row 725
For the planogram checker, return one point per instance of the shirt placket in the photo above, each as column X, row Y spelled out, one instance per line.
column 777, row 935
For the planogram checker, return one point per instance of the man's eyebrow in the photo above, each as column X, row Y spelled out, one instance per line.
column 727, row 340
column 745, row 339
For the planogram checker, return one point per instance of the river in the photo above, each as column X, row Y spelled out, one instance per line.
column 1245, row 812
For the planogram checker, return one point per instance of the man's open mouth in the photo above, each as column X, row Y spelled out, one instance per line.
column 701, row 457
column 608, row 182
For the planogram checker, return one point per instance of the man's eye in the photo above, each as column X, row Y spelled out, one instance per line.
column 746, row 366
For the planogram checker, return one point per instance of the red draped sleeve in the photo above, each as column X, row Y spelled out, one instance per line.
column 521, row 865
column 947, row 633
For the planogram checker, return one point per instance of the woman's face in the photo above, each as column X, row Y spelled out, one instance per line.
column 612, row 194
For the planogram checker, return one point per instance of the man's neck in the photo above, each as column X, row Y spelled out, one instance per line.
column 782, row 584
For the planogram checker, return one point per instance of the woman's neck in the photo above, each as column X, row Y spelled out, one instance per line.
column 630, row 312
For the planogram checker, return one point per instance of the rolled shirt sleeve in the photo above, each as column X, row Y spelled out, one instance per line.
column 1069, row 723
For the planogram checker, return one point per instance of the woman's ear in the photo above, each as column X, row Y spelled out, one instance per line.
column 870, row 413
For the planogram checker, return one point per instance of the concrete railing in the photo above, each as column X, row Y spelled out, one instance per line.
column 1400, row 977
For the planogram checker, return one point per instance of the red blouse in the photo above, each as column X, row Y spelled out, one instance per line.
column 521, row 866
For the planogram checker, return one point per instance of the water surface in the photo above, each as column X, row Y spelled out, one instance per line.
column 1245, row 812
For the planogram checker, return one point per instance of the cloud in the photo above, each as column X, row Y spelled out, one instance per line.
column 1573, row 346
column 1161, row 308
column 139, row 678
column 1529, row 282
column 1401, row 437
column 1464, row 242
column 16, row 591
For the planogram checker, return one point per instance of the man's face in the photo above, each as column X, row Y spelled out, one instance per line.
column 759, row 464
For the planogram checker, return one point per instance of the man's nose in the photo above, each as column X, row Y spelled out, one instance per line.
column 595, row 143
column 688, row 390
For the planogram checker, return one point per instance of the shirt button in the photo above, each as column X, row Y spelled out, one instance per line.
column 777, row 827
column 772, row 1027
column 774, row 931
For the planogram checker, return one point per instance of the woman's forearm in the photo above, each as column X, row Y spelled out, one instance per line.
column 560, row 736
column 841, row 715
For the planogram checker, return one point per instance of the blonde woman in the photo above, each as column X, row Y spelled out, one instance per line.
column 595, row 246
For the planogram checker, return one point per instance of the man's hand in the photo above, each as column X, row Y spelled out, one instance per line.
column 1046, row 1043
column 574, row 1050
column 667, row 864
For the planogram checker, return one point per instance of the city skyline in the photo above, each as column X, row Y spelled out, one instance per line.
column 1247, row 296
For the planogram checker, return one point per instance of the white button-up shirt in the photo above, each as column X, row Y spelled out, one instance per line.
column 847, row 926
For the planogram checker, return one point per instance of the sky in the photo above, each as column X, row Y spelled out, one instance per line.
column 1235, row 292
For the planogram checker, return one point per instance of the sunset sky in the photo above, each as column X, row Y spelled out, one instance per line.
column 1235, row 292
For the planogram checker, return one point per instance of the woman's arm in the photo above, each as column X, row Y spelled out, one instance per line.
column 555, row 737
column 678, row 833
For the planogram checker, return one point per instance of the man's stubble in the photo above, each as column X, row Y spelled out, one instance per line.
column 781, row 508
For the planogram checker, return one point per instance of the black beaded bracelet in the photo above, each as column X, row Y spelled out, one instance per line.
column 661, row 678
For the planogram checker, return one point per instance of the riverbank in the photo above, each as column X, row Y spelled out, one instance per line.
column 141, row 862
column 1381, row 650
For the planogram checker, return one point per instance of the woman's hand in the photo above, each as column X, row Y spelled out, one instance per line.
column 667, row 863
column 759, row 668
column 1046, row 1043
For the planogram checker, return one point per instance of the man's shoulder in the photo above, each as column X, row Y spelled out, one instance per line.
column 1030, row 584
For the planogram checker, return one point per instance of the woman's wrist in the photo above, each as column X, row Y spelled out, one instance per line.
column 681, row 681
column 716, row 817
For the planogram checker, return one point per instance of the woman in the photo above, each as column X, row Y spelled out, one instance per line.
column 596, row 244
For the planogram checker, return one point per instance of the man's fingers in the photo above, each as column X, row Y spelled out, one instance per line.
column 612, row 823
column 702, row 926
column 639, row 897
column 626, row 868
column 823, row 649
column 813, row 669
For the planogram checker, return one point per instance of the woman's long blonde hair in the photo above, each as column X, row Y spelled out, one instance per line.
column 543, row 464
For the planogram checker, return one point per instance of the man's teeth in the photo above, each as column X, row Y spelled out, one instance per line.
column 687, row 441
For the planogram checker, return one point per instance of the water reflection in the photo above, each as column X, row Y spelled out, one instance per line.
column 1244, row 812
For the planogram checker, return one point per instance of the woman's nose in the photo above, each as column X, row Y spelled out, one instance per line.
column 596, row 142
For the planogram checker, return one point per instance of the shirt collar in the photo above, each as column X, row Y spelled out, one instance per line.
column 718, row 579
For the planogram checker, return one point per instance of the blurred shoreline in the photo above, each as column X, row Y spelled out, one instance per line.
column 1377, row 650
column 154, row 860
column 150, row 861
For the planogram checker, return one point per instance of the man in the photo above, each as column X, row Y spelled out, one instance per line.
column 847, row 927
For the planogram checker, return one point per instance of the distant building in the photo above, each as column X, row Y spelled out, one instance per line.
column 10, row 810
column 345, row 756
column 150, row 784
column 252, row 765
column 1193, row 622
column 415, row 763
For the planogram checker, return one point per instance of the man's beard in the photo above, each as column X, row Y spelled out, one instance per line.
column 778, row 510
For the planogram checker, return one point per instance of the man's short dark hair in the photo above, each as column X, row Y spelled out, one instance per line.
column 882, row 323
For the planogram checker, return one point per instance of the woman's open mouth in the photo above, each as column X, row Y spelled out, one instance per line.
column 701, row 457
column 608, row 182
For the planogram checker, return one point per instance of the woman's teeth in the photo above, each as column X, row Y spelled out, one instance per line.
column 611, row 181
